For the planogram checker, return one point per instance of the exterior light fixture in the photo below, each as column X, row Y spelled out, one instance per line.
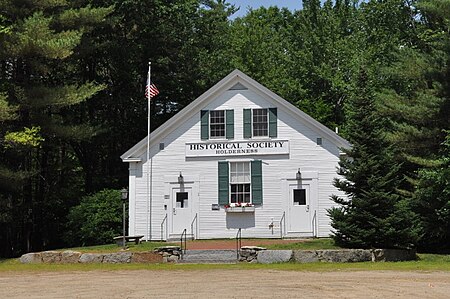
column 180, row 179
column 124, row 194
column 124, row 197
column 298, row 175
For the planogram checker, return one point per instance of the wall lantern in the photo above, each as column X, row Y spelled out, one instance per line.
column 298, row 175
column 124, row 194
column 180, row 179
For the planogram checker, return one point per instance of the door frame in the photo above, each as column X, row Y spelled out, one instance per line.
column 310, row 178
column 171, row 183
column 175, row 189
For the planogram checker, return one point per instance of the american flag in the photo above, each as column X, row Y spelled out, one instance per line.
column 151, row 88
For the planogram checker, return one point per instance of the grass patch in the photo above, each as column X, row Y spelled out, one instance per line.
column 313, row 244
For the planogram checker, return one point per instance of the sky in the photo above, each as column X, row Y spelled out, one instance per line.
column 244, row 4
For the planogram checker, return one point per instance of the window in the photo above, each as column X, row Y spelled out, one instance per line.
column 240, row 182
column 217, row 124
column 182, row 200
column 299, row 197
column 260, row 123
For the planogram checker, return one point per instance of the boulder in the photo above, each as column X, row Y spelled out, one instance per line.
column 91, row 258
column 51, row 257
column 393, row 255
column 252, row 248
column 274, row 256
column 344, row 255
column 31, row 258
column 70, row 256
column 305, row 256
column 117, row 258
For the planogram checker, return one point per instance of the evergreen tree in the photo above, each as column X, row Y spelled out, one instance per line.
column 371, row 215
column 432, row 200
column 36, row 166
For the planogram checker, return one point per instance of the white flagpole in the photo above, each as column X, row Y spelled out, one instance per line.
column 149, row 171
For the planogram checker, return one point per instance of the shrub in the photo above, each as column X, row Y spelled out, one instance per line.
column 96, row 220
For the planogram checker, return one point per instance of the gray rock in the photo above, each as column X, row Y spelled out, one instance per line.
column 51, row 257
column 305, row 256
column 31, row 258
column 274, row 256
column 172, row 259
column 344, row 256
column 167, row 249
column 255, row 248
column 245, row 253
column 117, row 258
column 70, row 256
column 91, row 258
column 393, row 255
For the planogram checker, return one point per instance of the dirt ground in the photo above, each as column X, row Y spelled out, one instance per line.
column 224, row 284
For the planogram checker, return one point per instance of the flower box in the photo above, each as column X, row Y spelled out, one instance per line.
column 248, row 209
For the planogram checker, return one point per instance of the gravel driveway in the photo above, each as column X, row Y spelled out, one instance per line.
column 224, row 284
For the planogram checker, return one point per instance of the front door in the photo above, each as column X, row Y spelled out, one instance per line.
column 299, row 208
column 181, row 209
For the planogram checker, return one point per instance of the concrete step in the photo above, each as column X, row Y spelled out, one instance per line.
column 226, row 256
column 177, row 237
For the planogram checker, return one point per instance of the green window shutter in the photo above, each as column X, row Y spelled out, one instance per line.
column 230, row 124
column 247, row 123
column 204, row 117
column 257, row 193
column 272, row 122
column 224, row 197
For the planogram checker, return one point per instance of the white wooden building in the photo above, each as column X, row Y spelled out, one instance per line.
column 239, row 156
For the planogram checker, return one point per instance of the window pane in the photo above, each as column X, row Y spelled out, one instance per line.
column 182, row 200
column 240, row 182
column 217, row 123
column 260, row 122
column 299, row 197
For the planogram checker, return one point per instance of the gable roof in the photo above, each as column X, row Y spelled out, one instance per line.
column 235, row 78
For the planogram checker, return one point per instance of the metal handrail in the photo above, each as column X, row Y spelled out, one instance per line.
column 238, row 242
column 192, row 226
column 314, row 224
column 282, row 221
column 162, row 227
column 185, row 244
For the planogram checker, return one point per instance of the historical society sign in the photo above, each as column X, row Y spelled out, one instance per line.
column 238, row 148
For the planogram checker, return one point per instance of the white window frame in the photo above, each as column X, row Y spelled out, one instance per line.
column 266, row 123
column 243, row 183
column 224, row 124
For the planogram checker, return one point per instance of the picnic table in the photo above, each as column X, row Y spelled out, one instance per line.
column 136, row 239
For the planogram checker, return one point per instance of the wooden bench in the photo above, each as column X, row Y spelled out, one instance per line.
column 119, row 239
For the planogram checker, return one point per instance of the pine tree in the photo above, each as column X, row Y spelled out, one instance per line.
column 432, row 199
column 37, row 93
column 372, row 215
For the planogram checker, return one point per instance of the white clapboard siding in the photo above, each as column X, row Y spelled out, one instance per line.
column 277, row 170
